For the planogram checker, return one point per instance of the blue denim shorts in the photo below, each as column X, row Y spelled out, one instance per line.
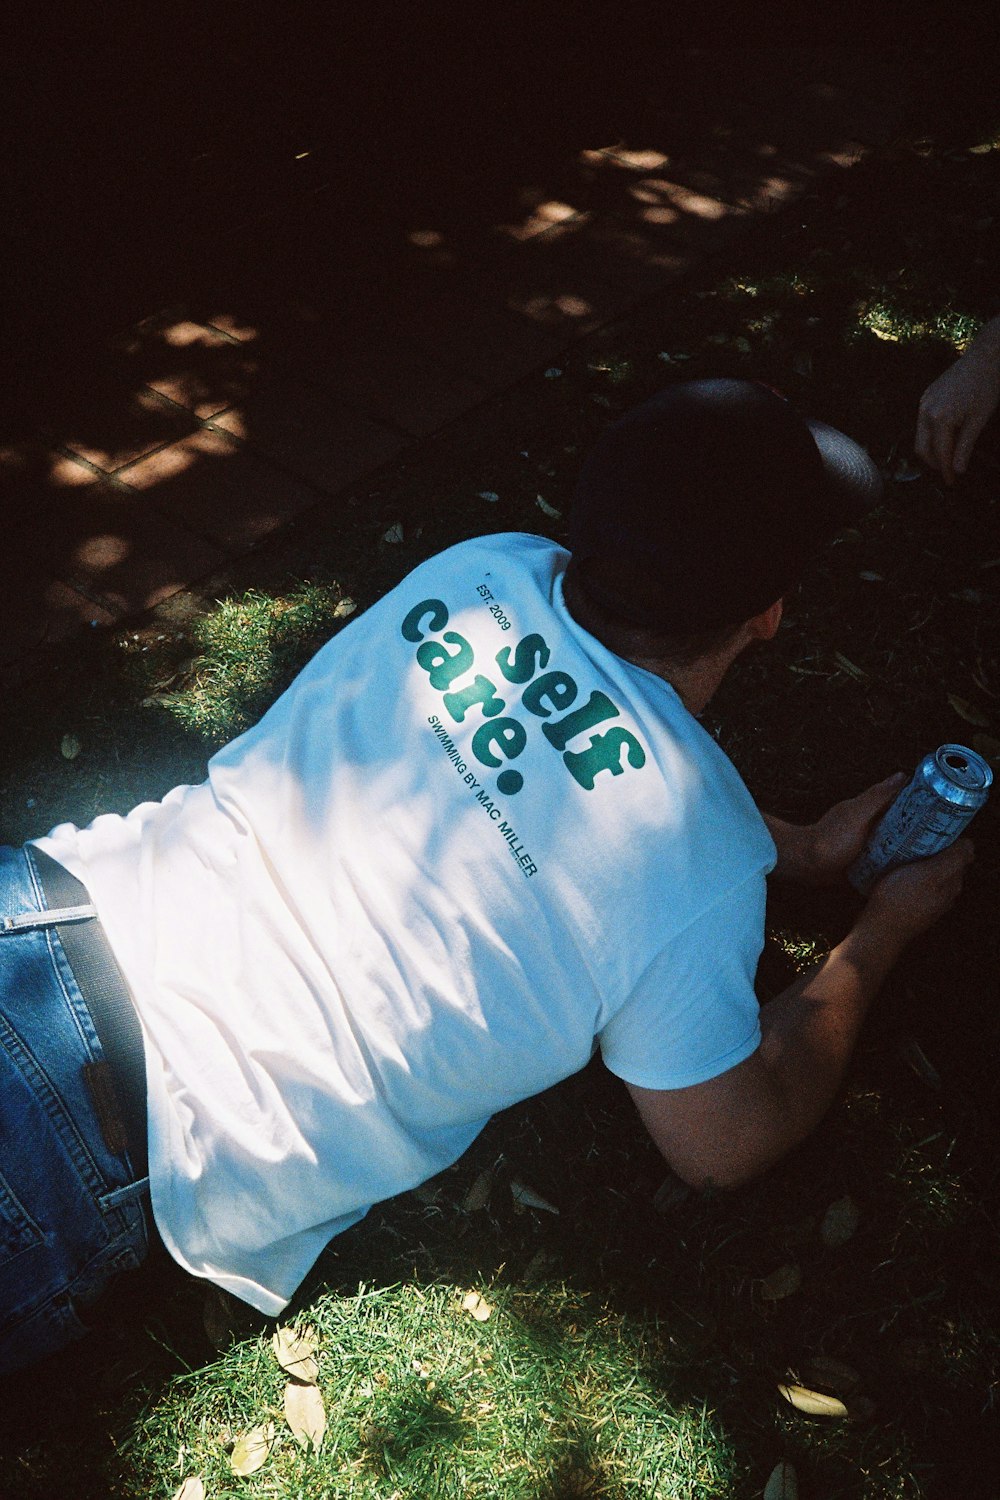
column 72, row 1213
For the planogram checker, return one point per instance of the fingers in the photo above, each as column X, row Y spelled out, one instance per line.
column 966, row 442
column 876, row 799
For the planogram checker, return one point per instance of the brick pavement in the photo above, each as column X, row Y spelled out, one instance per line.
column 322, row 347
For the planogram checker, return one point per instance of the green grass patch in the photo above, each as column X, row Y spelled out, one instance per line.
column 249, row 648
column 551, row 1396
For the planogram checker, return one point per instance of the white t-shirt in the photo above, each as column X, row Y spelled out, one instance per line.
column 466, row 843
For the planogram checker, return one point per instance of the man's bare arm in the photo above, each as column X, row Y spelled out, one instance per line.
column 728, row 1130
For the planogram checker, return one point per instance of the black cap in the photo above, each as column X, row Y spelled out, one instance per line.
column 699, row 508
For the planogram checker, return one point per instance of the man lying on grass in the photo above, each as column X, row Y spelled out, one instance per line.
column 482, row 833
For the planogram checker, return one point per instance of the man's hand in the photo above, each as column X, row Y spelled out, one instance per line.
column 954, row 410
column 912, row 897
column 819, row 853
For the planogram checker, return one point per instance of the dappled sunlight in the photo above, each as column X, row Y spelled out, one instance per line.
column 99, row 553
column 540, row 217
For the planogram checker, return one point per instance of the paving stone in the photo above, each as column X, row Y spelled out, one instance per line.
column 117, row 549
column 195, row 367
column 117, row 426
column 474, row 333
column 309, row 434
column 219, row 488
column 39, row 612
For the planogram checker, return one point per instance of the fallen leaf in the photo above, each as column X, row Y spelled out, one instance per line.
column 343, row 608
column 968, row 711
column 670, row 1194
column 479, row 1193
column 473, row 1303
column 394, row 534
column 251, row 1450
column 69, row 746
column 813, row 1403
column 839, row 1222
column 911, row 1052
column 846, row 665
column 193, row 1488
column 538, row 1265
column 547, row 509
column 824, row 1370
column 781, row 1283
column 305, row 1412
column 528, row 1198
column 782, row 1484
column 296, row 1354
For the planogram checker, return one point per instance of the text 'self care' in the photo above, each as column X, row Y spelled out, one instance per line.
column 446, row 657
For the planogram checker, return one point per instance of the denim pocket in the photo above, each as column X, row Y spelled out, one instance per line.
column 18, row 1230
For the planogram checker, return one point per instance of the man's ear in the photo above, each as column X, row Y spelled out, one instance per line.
column 764, row 627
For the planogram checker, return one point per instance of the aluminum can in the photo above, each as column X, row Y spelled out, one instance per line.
column 949, row 787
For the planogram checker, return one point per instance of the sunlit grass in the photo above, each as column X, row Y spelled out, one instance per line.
column 892, row 322
column 248, row 649
column 551, row 1396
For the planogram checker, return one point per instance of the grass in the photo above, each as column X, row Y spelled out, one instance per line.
column 631, row 1350
column 549, row 1396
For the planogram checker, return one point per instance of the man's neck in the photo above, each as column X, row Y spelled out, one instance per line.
column 695, row 684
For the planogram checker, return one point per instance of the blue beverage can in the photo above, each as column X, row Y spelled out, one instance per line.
column 949, row 787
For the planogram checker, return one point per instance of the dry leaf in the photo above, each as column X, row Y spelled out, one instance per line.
column 473, row 1303
column 305, row 1412
column 193, row 1488
column 911, row 1052
column 782, row 1485
column 846, row 665
column 839, row 1222
column 252, row 1449
column 69, row 747
column 479, row 1193
column 394, row 534
column 538, row 1265
column 823, row 1369
column 813, row 1403
column 547, row 509
column 671, row 1193
column 528, row 1198
column 781, row 1283
column 343, row 608
column 296, row 1354
column 968, row 711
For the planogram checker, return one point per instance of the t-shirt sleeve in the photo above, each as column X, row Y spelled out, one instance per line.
column 693, row 1013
